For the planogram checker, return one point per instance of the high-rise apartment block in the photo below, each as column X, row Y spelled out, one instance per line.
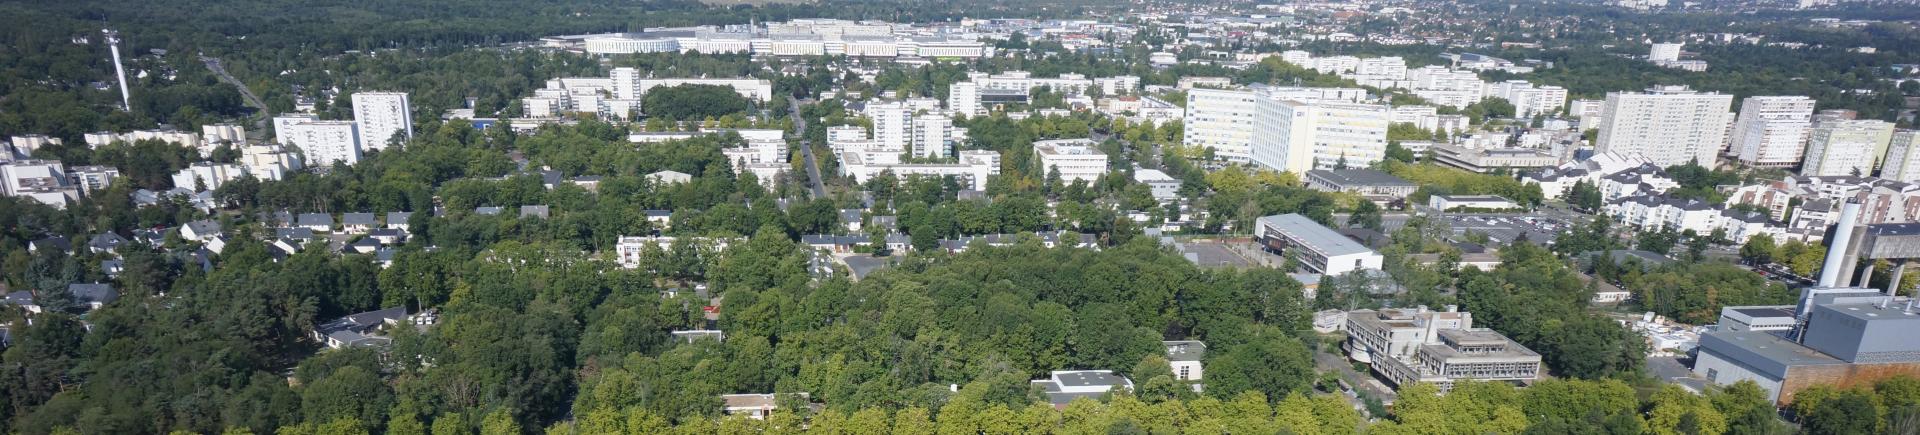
column 1668, row 125
column 1771, row 131
column 382, row 115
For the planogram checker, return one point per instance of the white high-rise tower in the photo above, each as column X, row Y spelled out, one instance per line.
column 382, row 115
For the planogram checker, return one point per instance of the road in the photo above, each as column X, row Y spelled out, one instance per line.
column 259, row 125
column 819, row 186
column 1361, row 382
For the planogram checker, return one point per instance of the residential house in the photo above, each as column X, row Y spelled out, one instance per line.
column 201, row 230
column 357, row 223
column 355, row 330
column 318, row 222
column 1063, row 386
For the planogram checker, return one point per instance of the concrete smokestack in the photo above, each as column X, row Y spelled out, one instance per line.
column 113, row 44
column 1842, row 239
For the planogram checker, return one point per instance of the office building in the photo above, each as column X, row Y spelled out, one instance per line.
column 42, row 180
column 382, row 115
column 1772, row 131
column 1440, row 348
column 1669, row 125
column 1903, row 157
column 1220, row 120
column 1073, row 159
column 1318, row 248
column 1846, row 147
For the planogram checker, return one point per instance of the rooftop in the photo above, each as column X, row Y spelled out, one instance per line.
column 1358, row 177
column 1185, row 350
column 1313, row 235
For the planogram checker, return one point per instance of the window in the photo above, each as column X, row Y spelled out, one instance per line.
column 1186, row 373
column 1713, row 375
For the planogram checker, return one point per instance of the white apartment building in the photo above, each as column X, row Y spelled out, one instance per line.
column 207, row 175
column 269, row 162
column 973, row 169
column 1529, row 100
column 1665, row 52
column 892, row 124
column 1903, row 157
column 42, row 180
column 1073, row 159
column 1772, row 131
column 626, row 83
column 964, row 98
column 1297, row 137
column 324, row 142
column 217, row 133
column 1669, row 125
column 1221, row 120
column 382, row 115
column 933, row 136
column 1846, row 147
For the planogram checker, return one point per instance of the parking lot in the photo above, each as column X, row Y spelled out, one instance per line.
column 1504, row 228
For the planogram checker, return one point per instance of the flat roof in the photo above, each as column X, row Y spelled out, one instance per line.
column 1359, row 177
column 1185, row 350
column 1871, row 312
column 1765, row 311
column 1088, row 378
column 1313, row 235
column 1763, row 351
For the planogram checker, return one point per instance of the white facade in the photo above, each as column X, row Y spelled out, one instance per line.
column 1074, row 159
column 626, row 83
column 1221, row 120
column 1669, row 125
column 973, row 168
column 207, row 175
column 1846, row 147
column 1298, row 137
column 1903, row 157
column 381, row 116
column 269, row 162
column 324, row 142
column 1664, row 52
column 964, row 98
column 1772, row 130
column 892, row 124
column 933, row 136
column 756, row 89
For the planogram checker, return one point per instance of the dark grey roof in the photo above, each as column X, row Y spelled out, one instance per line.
column 399, row 217
column 1086, row 378
column 489, row 211
column 1358, row 177
column 204, row 227
column 293, row 233
column 1781, row 311
column 308, row 219
column 1898, row 229
column 1315, row 236
column 1761, row 351
column 22, row 297
column 658, row 213
column 539, row 211
column 53, row 244
column 357, row 219
column 362, row 322
column 851, row 215
column 106, row 241
column 91, row 293
column 1748, row 217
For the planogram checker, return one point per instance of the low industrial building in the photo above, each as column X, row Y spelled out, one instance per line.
column 1316, row 246
column 1377, row 186
column 1470, row 202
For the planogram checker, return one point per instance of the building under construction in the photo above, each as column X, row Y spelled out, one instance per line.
column 1841, row 333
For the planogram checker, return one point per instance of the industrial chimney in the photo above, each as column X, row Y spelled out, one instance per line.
column 113, row 44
